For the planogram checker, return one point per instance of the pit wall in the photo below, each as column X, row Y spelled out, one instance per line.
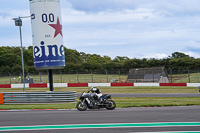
column 45, row 85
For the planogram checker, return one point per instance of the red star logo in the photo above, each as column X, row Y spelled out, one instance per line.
column 57, row 27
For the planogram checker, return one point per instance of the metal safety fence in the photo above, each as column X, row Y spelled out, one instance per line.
column 37, row 97
column 184, row 75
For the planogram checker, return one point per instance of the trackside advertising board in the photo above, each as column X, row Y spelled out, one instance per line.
column 48, row 49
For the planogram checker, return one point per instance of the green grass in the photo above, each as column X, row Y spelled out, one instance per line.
column 122, row 102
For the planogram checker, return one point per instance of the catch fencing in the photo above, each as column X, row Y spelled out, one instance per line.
column 184, row 75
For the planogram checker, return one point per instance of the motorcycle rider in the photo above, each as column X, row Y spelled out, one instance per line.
column 97, row 93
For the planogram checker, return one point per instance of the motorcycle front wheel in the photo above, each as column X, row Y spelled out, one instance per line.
column 81, row 106
column 111, row 105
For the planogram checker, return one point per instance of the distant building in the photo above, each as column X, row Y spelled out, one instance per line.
column 150, row 75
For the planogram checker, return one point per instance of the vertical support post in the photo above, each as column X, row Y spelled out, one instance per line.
column 40, row 77
column 153, row 75
column 22, row 57
column 135, row 75
column 51, row 80
column 119, row 75
column 188, row 74
column 10, row 77
column 171, row 73
column 106, row 75
column 198, row 78
column 77, row 76
column 91, row 75
column 60, row 76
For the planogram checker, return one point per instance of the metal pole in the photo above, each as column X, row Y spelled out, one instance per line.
column 77, row 76
column 18, row 22
column 40, row 77
column 119, row 75
column 48, row 74
column 10, row 77
column 22, row 57
column 188, row 74
column 106, row 75
column 61, row 76
column 171, row 73
column 91, row 75
column 135, row 75
column 153, row 74
column 51, row 80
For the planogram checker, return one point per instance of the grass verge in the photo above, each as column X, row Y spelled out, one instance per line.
column 122, row 102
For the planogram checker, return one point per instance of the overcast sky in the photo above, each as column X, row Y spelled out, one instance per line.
column 132, row 28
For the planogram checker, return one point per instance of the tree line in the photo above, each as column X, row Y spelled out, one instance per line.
column 10, row 61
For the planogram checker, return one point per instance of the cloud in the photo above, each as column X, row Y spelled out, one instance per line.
column 155, row 55
column 169, row 8
column 193, row 48
column 6, row 16
column 193, row 54
column 177, row 8
column 141, row 30
column 102, row 5
column 132, row 28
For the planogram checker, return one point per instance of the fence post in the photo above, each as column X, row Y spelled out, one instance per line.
column 153, row 74
column 91, row 75
column 60, row 76
column 106, row 75
column 119, row 76
column 171, row 73
column 28, row 75
column 198, row 78
column 40, row 76
column 188, row 74
column 9, row 77
column 77, row 76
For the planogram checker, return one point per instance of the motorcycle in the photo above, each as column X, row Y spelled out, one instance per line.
column 90, row 100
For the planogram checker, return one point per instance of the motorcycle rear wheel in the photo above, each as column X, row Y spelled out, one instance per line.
column 111, row 105
column 81, row 106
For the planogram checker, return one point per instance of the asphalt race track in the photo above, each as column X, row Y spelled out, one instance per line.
column 120, row 120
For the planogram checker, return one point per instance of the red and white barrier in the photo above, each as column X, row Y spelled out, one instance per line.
column 122, row 84
column 173, row 84
column 5, row 85
column 19, row 85
column 99, row 84
column 77, row 84
column 146, row 84
column 58, row 85
column 193, row 84
column 45, row 85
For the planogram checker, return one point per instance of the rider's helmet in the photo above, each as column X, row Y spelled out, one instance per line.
column 95, row 90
